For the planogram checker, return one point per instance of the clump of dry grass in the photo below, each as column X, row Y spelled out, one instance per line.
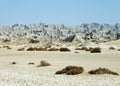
column 7, row 47
column 31, row 49
column 13, row 62
column 118, row 50
column 31, row 63
column 102, row 71
column 36, row 49
column 78, row 49
column 41, row 49
column 96, row 50
column 71, row 70
column 65, row 50
column 21, row 49
column 53, row 49
column 90, row 48
column 44, row 63
column 111, row 48
column 76, row 52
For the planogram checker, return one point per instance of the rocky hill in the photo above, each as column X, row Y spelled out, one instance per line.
column 50, row 33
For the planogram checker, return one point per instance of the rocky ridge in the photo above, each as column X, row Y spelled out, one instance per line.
column 51, row 33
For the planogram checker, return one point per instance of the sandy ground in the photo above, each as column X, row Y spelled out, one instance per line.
column 22, row 74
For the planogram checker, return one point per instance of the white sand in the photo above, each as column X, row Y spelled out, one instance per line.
column 22, row 74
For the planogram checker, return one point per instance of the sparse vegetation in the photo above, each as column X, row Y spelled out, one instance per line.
column 31, row 49
column 21, row 49
column 118, row 50
column 36, row 49
column 96, row 50
column 65, row 50
column 111, row 48
column 7, row 47
column 90, row 48
column 41, row 49
column 102, row 71
column 71, row 70
column 78, row 49
column 76, row 52
column 44, row 63
column 31, row 63
column 53, row 49
column 13, row 62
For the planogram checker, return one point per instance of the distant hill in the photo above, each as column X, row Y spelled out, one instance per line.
column 48, row 33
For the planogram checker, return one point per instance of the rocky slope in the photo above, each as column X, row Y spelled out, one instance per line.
column 43, row 33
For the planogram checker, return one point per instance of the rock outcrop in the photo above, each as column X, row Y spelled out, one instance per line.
column 43, row 33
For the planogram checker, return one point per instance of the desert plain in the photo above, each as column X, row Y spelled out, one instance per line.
column 24, row 74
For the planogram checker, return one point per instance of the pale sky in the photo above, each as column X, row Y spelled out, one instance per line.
column 68, row 12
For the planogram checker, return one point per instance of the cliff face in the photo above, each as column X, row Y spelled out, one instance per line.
column 38, row 33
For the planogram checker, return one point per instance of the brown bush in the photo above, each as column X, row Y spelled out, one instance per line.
column 31, row 49
column 71, row 70
column 13, row 62
column 65, row 50
column 111, row 48
column 118, row 50
column 76, row 52
column 90, row 48
column 31, row 63
column 78, row 49
column 102, row 71
column 96, row 50
column 7, row 47
column 74, row 72
column 41, row 49
column 21, row 49
column 54, row 49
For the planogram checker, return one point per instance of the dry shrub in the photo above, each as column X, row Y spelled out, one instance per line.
column 21, row 49
column 90, row 48
column 31, row 49
column 65, row 50
column 96, row 50
column 31, row 63
column 44, row 63
column 7, row 47
column 118, row 50
column 71, row 70
column 78, row 49
column 36, row 49
column 111, row 48
column 54, row 49
column 13, row 62
column 76, row 52
column 41, row 49
column 102, row 71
